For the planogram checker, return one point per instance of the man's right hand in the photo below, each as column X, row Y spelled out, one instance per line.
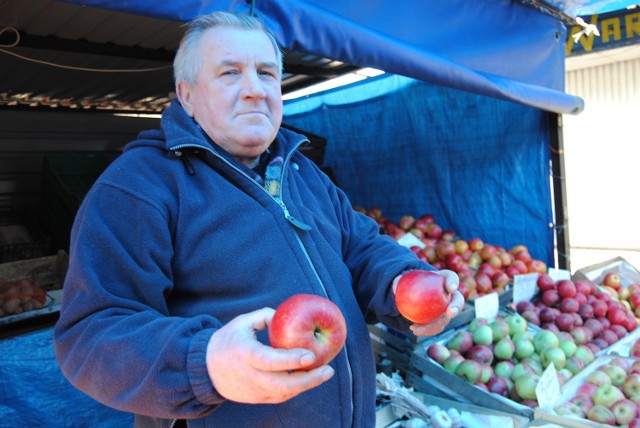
column 244, row 370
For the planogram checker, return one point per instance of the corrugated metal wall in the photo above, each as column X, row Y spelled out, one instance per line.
column 617, row 82
column 602, row 154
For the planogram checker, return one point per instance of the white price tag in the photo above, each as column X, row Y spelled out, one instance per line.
column 548, row 389
column 410, row 240
column 558, row 274
column 524, row 287
column 487, row 306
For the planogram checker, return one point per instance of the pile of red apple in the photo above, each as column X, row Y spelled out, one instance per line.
column 482, row 267
column 610, row 395
column 505, row 357
column 629, row 295
column 589, row 314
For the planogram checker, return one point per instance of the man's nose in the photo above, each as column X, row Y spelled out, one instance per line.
column 252, row 86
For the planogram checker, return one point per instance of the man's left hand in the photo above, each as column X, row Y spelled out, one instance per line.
column 455, row 306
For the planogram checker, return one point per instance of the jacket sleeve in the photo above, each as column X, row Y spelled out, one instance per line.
column 374, row 260
column 115, row 339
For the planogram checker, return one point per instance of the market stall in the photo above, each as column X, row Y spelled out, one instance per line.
column 464, row 126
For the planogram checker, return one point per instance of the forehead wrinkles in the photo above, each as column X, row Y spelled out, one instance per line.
column 235, row 46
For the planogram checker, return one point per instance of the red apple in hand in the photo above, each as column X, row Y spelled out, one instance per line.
column 310, row 322
column 421, row 296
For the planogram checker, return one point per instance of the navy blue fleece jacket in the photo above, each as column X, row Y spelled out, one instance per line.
column 175, row 239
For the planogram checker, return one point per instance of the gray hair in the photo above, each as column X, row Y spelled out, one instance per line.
column 187, row 62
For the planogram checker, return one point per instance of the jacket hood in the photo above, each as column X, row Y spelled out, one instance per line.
column 179, row 129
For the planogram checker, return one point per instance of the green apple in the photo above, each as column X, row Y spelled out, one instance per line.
column 500, row 328
column 597, row 377
column 585, row 354
column 616, row 373
column 554, row 355
column 452, row 363
column 606, row 395
column 477, row 322
column 516, row 323
column 504, row 368
column 521, row 369
column 522, row 335
column 523, row 348
column 483, row 335
column 631, row 386
column 504, row 349
column 526, row 386
column 601, row 414
column 461, row 341
column 545, row 339
column 487, row 373
column 469, row 370
column 568, row 347
column 574, row 365
column 534, row 363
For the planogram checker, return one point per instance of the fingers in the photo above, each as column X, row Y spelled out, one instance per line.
column 257, row 320
column 394, row 284
column 431, row 329
column 282, row 386
column 245, row 370
column 451, row 279
column 456, row 305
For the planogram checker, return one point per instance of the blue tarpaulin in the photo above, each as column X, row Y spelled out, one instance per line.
column 499, row 48
column 479, row 165
column 33, row 392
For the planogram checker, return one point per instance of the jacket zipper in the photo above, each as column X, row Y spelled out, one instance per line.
column 295, row 222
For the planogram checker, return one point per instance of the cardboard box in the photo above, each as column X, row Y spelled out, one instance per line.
column 567, row 392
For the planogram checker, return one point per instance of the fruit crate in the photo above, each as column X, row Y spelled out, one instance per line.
column 398, row 346
column 66, row 179
column 428, row 376
column 47, row 273
column 569, row 390
column 392, row 345
column 596, row 272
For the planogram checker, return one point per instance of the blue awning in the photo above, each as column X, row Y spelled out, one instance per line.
column 499, row 48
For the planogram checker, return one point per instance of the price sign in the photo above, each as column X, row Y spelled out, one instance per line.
column 548, row 389
column 524, row 287
column 410, row 240
column 559, row 274
column 487, row 306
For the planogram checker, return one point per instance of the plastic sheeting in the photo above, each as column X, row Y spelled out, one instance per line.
column 499, row 48
column 479, row 165
column 34, row 393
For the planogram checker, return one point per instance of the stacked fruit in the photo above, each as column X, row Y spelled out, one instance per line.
column 482, row 267
column 506, row 357
column 610, row 395
column 589, row 314
column 629, row 294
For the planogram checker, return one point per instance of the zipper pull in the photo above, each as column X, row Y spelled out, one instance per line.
column 297, row 223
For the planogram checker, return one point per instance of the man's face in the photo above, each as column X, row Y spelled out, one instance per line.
column 237, row 99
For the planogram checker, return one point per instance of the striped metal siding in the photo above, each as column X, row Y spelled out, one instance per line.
column 617, row 82
column 602, row 158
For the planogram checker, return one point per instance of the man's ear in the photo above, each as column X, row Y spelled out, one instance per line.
column 183, row 91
